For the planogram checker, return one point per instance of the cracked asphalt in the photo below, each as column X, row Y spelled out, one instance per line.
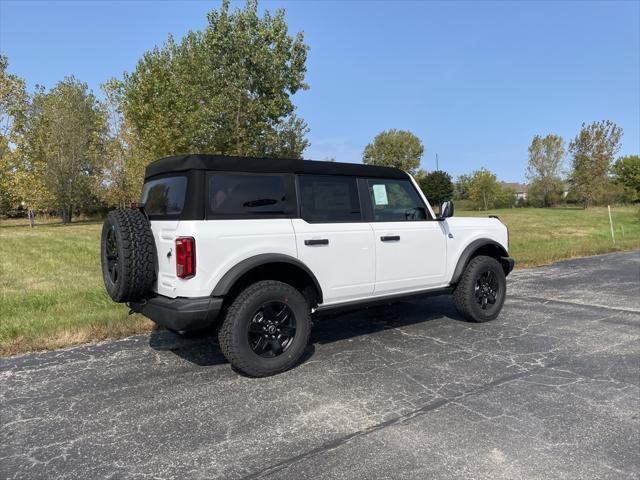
column 551, row 389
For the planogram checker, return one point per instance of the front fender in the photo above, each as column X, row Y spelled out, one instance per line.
column 491, row 247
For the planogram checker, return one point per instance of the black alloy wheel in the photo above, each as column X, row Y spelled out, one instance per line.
column 272, row 329
column 112, row 254
column 487, row 289
column 481, row 290
column 265, row 330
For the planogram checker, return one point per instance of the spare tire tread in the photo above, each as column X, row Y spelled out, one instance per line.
column 136, row 255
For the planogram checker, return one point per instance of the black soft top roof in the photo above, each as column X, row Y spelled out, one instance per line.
column 181, row 163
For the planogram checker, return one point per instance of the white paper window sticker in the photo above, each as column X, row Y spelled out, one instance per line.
column 380, row 194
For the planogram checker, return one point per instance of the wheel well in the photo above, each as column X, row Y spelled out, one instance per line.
column 494, row 251
column 489, row 249
column 283, row 272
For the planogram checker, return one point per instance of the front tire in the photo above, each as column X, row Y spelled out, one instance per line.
column 480, row 294
column 266, row 329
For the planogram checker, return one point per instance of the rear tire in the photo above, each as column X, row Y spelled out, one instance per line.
column 266, row 329
column 481, row 291
column 128, row 255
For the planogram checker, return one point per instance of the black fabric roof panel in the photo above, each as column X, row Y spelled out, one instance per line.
column 224, row 163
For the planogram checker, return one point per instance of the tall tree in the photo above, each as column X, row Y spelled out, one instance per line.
column 13, row 105
column 66, row 131
column 395, row 148
column 224, row 90
column 593, row 150
column 21, row 178
column 546, row 155
column 483, row 188
column 437, row 186
column 626, row 172
column 461, row 187
column 120, row 170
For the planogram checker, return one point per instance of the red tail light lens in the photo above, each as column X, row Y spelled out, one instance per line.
column 185, row 257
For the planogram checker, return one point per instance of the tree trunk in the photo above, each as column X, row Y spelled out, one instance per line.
column 66, row 215
column 30, row 214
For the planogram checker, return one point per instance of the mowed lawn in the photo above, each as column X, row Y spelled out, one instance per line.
column 52, row 295
column 538, row 236
column 51, row 289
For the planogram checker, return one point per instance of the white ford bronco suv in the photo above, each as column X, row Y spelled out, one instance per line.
column 260, row 245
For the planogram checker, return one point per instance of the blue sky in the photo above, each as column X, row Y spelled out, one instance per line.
column 474, row 80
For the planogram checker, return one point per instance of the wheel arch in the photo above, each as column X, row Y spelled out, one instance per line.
column 481, row 246
column 270, row 266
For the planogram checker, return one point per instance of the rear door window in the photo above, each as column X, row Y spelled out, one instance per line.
column 328, row 199
column 164, row 196
column 242, row 195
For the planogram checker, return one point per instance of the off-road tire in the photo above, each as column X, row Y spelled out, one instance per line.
column 464, row 295
column 135, row 265
column 233, row 335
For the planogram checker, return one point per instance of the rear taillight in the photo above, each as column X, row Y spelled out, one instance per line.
column 185, row 257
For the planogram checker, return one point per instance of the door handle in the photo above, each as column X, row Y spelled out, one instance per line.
column 317, row 241
column 390, row 238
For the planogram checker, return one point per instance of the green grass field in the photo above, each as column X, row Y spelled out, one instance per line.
column 51, row 289
column 538, row 236
column 52, row 294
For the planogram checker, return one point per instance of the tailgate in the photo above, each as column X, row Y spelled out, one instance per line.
column 164, row 234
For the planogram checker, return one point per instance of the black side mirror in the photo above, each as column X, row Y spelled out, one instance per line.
column 446, row 210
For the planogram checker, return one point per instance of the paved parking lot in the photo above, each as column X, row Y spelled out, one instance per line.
column 551, row 389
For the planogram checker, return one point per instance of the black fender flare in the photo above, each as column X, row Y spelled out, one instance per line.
column 469, row 252
column 227, row 281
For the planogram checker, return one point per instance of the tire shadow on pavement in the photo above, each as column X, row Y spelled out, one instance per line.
column 201, row 348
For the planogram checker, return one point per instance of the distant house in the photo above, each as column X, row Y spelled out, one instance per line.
column 520, row 189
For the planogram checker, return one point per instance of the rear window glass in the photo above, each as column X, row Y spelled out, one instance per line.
column 239, row 195
column 329, row 199
column 164, row 196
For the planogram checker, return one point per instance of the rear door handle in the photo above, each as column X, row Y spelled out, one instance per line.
column 390, row 238
column 317, row 241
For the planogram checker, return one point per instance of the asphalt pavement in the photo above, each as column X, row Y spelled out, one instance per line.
column 551, row 389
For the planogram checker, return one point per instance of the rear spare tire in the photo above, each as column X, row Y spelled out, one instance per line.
column 128, row 255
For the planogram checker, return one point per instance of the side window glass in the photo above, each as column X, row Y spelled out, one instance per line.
column 164, row 196
column 395, row 201
column 239, row 195
column 326, row 199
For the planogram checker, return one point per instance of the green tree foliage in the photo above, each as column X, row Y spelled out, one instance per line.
column 65, row 135
column 546, row 155
column 484, row 188
column 626, row 172
column 505, row 197
column 461, row 187
column 120, row 172
column 545, row 193
column 223, row 90
column 592, row 151
column 395, row 148
column 13, row 105
column 437, row 186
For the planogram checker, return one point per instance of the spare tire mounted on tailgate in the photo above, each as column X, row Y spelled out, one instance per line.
column 128, row 255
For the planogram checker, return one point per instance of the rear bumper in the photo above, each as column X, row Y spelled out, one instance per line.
column 507, row 264
column 180, row 314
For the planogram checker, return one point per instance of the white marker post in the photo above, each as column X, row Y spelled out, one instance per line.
column 611, row 224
